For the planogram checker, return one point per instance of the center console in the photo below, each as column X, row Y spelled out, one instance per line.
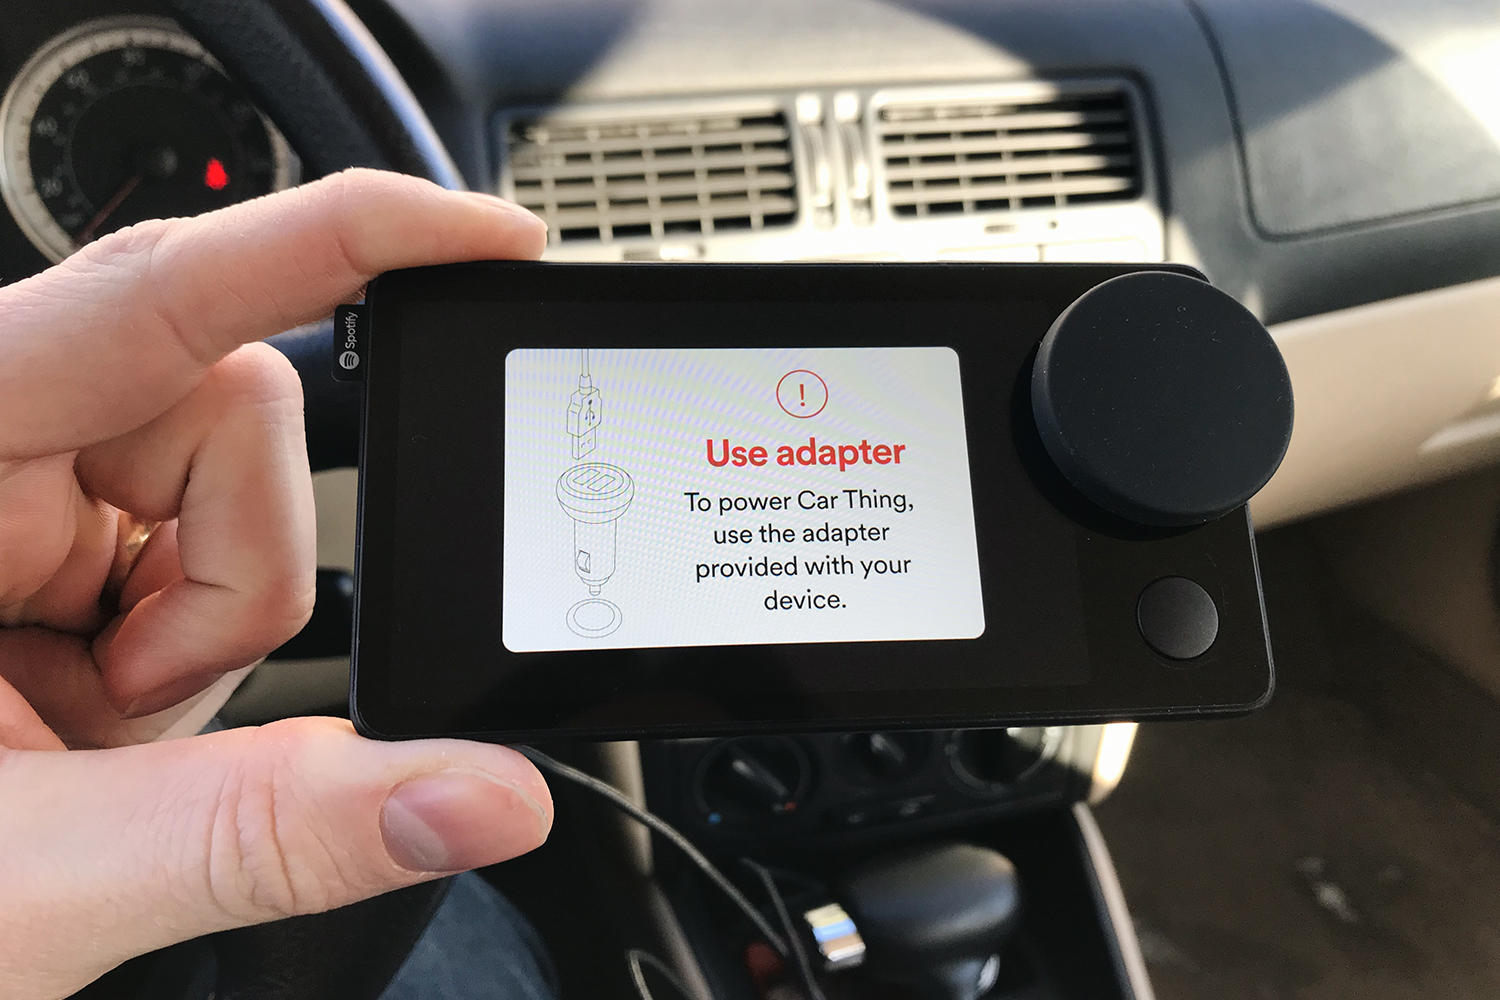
column 752, row 792
column 827, row 810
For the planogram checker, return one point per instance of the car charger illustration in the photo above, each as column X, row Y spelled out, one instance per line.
column 595, row 495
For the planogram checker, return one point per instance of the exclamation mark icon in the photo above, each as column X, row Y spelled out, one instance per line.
column 801, row 393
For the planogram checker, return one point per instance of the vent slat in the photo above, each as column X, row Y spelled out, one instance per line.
column 899, row 148
column 1016, row 189
column 616, row 169
column 1008, row 122
column 625, row 143
column 990, row 154
column 612, row 179
column 635, row 214
column 1014, row 166
column 661, row 188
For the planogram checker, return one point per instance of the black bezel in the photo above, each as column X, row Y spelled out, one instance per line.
column 1125, row 679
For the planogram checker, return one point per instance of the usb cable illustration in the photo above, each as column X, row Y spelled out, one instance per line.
column 584, row 413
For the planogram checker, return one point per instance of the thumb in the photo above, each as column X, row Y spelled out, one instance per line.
column 108, row 854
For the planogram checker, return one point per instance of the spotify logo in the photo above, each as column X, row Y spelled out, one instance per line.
column 346, row 353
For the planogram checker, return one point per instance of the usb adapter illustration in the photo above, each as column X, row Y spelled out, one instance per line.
column 595, row 495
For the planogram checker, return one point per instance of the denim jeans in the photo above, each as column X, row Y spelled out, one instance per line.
column 478, row 947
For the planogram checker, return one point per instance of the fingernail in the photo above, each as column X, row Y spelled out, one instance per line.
column 167, row 696
column 453, row 821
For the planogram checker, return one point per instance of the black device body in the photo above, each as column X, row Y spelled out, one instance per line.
column 1061, row 578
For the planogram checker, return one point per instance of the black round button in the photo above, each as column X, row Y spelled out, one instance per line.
column 1177, row 618
column 1162, row 399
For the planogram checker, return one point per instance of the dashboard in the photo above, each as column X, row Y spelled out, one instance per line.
column 1308, row 156
column 1335, row 165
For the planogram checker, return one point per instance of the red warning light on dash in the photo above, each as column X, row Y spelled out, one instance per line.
column 802, row 393
column 215, row 177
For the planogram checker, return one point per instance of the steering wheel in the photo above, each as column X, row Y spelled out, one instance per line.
column 338, row 100
column 325, row 81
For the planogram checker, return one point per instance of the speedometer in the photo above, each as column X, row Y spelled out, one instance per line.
column 125, row 119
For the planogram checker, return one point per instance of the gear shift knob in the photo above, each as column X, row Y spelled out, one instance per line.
column 935, row 918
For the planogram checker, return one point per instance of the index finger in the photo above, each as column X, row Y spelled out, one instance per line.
column 126, row 327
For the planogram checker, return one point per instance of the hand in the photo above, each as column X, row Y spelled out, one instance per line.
column 133, row 395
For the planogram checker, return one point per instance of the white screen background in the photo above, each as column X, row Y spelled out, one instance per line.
column 657, row 408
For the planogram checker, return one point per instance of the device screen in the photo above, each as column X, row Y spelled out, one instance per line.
column 692, row 497
column 647, row 499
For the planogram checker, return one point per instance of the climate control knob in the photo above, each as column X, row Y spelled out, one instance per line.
column 753, row 778
column 887, row 756
column 992, row 760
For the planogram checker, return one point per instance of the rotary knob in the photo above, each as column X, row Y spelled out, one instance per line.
column 753, row 778
column 1162, row 399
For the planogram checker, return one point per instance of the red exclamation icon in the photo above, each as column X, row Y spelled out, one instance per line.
column 804, row 404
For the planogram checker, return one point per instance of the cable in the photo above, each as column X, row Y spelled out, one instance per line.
column 804, row 968
column 618, row 799
column 635, row 956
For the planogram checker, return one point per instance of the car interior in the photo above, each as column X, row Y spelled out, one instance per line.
column 1334, row 165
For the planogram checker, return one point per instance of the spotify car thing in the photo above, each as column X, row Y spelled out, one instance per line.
column 779, row 497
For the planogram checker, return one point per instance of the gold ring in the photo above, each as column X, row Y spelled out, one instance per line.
column 131, row 537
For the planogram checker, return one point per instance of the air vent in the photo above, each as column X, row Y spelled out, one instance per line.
column 1003, row 154
column 613, row 179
